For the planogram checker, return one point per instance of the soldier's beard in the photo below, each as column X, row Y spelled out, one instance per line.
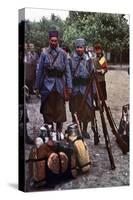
column 53, row 46
column 80, row 53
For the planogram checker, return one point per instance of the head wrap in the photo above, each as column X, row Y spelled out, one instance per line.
column 53, row 34
column 53, row 31
column 79, row 42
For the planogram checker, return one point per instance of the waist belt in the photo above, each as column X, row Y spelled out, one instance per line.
column 80, row 81
column 54, row 73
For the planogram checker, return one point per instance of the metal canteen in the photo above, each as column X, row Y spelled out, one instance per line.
column 72, row 130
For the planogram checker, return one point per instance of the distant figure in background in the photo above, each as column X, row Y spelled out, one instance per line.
column 67, row 50
column 23, row 118
column 30, row 62
column 101, row 69
column 90, row 52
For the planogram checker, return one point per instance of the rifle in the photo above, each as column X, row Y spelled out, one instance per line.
column 94, row 126
column 78, row 125
column 104, row 127
column 95, row 129
column 94, row 121
column 87, row 91
column 122, row 143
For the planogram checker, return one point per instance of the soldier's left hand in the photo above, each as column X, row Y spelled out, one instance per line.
column 69, row 91
column 102, row 71
column 37, row 92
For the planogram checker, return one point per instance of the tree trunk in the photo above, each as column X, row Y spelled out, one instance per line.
column 121, row 59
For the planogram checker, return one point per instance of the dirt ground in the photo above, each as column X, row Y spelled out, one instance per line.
column 100, row 174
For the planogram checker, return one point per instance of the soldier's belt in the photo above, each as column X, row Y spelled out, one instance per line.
column 54, row 73
column 80, row 81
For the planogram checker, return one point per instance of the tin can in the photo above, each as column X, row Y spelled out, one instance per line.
column 43, row 132
column 53, row 136
column 72, row 130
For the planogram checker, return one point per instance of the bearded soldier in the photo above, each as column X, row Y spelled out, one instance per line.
column 52, row 78
column 81, row 68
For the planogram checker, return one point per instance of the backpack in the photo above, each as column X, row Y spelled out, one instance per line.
column 51, row 164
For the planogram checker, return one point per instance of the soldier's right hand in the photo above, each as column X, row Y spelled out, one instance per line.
column 37, row 92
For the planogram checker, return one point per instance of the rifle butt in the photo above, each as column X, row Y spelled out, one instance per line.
column 122, row 144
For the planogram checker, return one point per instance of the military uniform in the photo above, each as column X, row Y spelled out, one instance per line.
column 81, row 68
column 53, row 75
column 100, row 66
column 30, row 61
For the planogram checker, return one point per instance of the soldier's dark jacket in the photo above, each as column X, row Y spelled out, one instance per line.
column 80, row 75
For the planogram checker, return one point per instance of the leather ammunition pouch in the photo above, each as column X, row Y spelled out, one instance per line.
column 54, row 73
column 80, row 81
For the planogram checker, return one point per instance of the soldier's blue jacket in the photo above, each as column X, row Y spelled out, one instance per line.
column 82, row 71
column 46, row 83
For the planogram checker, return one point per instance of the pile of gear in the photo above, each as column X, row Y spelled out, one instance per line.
column 56, row 157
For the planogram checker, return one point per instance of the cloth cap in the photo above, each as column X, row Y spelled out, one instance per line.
column 79, row 42
column 98, row 46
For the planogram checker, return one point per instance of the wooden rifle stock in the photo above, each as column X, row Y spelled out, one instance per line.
column 95, row 130
column 94, row 122
column 122, row 144
column 87, row 91
column 78, row 125
column 107, row 140
column 104, row 127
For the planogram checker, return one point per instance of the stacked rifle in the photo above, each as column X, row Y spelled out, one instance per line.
column 103, row 106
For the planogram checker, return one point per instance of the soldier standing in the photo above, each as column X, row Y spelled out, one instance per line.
column 100, row 65
column 52, row 78
column 81, row 68
column 30, row 60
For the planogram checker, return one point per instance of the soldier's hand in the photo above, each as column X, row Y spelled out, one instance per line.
column 37, row 92
column 67, row 93
column 103, row 71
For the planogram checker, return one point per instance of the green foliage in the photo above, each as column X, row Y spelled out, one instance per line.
column 111, row 30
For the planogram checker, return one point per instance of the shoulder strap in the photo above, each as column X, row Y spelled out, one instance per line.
column 55, row 58
column 77, row 67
